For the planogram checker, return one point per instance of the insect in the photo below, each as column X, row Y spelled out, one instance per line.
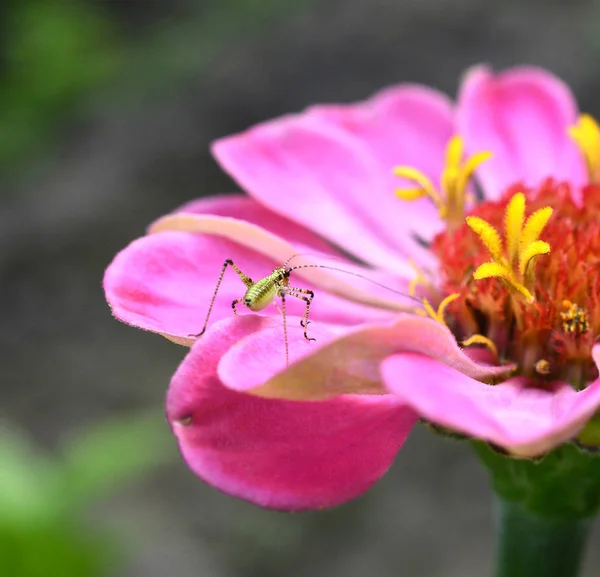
column 261, row 293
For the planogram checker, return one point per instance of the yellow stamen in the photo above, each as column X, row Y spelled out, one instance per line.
column 534, row 226
column 425, row 185
column 481, row 340
column 488, row 235
column 575, row 319
column 470, row 166
column 439, row 314
column 496, row 270
column 542, row 367
column 455, row 178
column 410, row 193
column 412, row 286
column 586, row 134
column 535, row 249
column 513, row 222
column 454, row 151
column 515, row 265
column 493, row 270
column 418, row 280
column 430, row 310
column 444, row 304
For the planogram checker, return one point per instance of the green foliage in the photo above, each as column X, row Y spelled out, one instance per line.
column 57, row 53
column 57, row 550
column 54, row 52
column 43, row 500
column 104, row 457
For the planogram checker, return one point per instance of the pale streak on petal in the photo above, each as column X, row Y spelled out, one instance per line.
column 274, row 247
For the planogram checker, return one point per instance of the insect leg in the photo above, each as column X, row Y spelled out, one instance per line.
column 245, row 279
column 300, row 293
column 234, row 303
column 285, row 336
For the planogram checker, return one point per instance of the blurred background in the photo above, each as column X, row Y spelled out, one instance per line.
column 107, row 109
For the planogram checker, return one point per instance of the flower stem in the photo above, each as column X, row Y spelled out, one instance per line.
column 535, row 546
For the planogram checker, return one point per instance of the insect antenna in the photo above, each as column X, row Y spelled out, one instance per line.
column 289, row 270
column 299, row 254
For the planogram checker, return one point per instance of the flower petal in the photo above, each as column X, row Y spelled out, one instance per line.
column 326, row 170
column 245, row 208
column 394, row 295
column 407, row 125
column 521, row 116
column 279, row 454
column 525, row 421
column 318, row 251
column 164, row 283
column 339, row 362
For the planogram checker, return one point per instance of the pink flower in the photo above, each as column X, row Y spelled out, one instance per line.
column 514, row 273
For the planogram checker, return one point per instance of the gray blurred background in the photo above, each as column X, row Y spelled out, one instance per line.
column 107, row 110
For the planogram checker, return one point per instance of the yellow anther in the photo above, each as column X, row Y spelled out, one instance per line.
column 481, row 340
column 542, row 367
column 425, row 185
column 412, row 286
column 444, row 304
column 454, row 152
column 471, row 165
column 453, row 183
column 430, row 310
column 439, row 314
column 586, row 134
column 410, row 193
column 418, row 280
column 497, row 270
column 528, row 256
column 488, row 235
column 514, row 264
column 493, row 270
column 513, row 222
column 534, row 226
column 574, row 320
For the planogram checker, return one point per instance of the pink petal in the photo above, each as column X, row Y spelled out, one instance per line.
column 339, row 362
column 247, row 209
column 521, row 116
column 279, row 454
column 525, row 421
column 326, row 169
column 164, row 283
column 406, row 124
column 391, row 296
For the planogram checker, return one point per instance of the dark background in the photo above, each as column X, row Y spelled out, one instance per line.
column 107, row 110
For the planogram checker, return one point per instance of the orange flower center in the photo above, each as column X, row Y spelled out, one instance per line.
column 535, row 296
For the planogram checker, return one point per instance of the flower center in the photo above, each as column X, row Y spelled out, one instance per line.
column 520, row 275
column 536, row 293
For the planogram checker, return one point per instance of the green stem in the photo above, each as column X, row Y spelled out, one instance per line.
column 536, row 546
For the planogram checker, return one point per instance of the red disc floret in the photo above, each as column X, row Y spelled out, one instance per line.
column 557, row 330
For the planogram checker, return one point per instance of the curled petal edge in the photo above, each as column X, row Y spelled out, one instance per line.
column 524, row 421
column 341, row 363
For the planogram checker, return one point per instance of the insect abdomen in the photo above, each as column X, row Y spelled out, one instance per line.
column 261, row 293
